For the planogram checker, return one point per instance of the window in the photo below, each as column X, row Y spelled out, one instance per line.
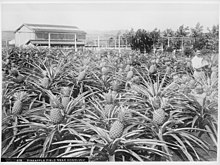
column 41, row 35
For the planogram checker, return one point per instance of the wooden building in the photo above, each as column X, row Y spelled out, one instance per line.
column 49, row 35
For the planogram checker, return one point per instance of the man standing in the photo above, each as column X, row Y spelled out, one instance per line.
column 199, row 64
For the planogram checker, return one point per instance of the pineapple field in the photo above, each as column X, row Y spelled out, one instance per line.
column 108, row 106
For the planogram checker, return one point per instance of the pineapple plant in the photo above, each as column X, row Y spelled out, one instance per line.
column 159, row 116
column 116, row 130
column 96, row 128
column 118, row 126
column 19, row 97
column 56, row 115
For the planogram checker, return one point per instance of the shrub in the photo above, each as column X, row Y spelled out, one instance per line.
column 188, row 52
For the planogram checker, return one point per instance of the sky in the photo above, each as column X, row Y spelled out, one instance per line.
column 111, row 16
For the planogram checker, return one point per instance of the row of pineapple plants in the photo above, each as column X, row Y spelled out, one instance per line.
column 107, row 106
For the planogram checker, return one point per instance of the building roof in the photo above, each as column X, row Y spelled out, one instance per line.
column 51, row 28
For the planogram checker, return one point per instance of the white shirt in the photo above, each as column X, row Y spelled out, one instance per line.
column 198, row 62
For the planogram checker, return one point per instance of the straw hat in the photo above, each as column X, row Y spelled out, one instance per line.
column 198, row 52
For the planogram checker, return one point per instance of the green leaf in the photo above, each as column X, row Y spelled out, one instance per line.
column 28, row 145
column 182, row 147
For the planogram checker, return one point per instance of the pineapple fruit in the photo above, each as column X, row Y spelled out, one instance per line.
column 56, row 115
column 116, row 129
column 118, row 126
column 17, row 107
column 159, row 116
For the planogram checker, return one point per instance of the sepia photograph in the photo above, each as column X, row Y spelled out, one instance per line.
column 110, row 81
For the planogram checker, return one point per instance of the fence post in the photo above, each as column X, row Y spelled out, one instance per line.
column 98, row 43
column 119, row 49
column 75, row 46
column 49, row 40
column 115, row 43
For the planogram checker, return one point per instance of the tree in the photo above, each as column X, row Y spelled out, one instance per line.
column 142, row 41
column 213, row 38
column 128, row 35
column 181, row 32
column 199, row 38
column 155, row 35
column 167, row 33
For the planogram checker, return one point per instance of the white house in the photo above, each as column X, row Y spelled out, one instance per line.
column 49, row 35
